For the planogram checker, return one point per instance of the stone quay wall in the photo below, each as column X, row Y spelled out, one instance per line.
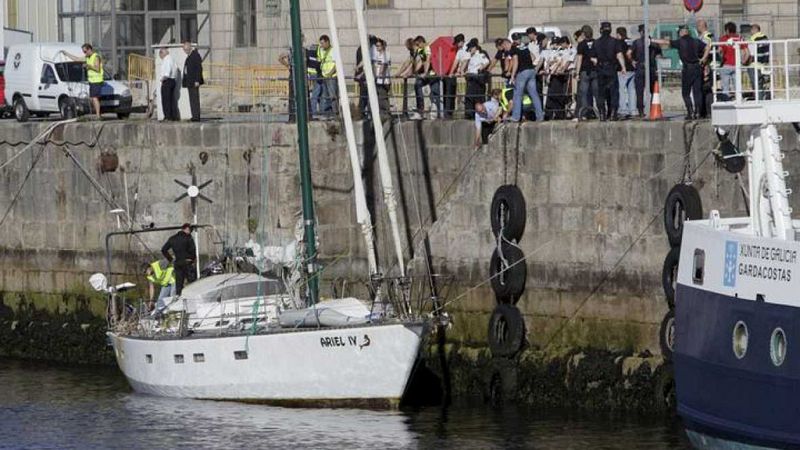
column 594, row 239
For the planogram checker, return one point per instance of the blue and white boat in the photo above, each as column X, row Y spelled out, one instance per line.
column 737, row 300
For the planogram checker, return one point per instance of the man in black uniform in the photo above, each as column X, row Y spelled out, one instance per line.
column 182, row 246
column 609, row 58
column 692, row 52
column 585, row 62
column 638, row 58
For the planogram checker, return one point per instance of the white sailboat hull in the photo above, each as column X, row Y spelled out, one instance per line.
column 368, row 365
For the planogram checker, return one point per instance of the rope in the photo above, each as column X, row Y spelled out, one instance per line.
column 37, row 140
column 22, row 185
column 614, row 267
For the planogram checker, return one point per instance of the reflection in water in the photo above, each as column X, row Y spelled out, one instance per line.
column 43, row 406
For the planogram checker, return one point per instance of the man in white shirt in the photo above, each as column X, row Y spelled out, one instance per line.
column 486, row 116
column 382, row 65
column 476, row 81
column 167, row 74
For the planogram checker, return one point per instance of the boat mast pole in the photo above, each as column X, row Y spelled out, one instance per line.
column 362, row 212
column 380, row 143
column 301, row 103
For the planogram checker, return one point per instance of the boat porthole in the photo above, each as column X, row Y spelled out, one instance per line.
column 777, row 346
column 740, row 338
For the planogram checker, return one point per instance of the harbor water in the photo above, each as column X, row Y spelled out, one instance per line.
column 55, row 407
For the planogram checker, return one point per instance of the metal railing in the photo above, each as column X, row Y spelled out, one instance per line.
column 776, row 79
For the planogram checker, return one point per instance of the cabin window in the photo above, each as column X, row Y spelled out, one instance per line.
column 698, row 267
column 178, row 359
column 48, row 75
column 148, row 359
column 240, row 354
column 777, row 346
column 199, row 357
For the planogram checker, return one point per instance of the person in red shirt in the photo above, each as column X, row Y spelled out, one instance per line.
column 727, row 73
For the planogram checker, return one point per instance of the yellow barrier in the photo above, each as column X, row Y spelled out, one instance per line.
column 140, row 67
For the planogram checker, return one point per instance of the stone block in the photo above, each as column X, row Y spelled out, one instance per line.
column 560, row 189
column 457, row 17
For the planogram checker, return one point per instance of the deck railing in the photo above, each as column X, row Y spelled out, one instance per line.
column 778, row 78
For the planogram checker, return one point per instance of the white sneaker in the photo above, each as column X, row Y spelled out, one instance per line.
column 415, row 116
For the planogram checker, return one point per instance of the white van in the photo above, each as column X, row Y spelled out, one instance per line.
column 41, row 80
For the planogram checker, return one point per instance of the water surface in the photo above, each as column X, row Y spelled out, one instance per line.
column 48, row 407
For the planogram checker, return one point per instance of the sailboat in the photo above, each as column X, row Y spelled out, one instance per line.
column 242, row 337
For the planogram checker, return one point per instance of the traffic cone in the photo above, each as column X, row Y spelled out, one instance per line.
column 655, row 104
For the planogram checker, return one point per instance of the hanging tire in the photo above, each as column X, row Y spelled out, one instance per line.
column 506, row 331
column 732, row 160
column 508, row 212
column 666, row 335
column 508, row 278
column 683, row 203
column 21, row 112
column 669, row 275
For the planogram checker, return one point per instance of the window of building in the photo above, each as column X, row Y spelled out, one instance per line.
column 496, row 18
column 734, row 8
column 244, row 20
column 576, row 2
column 178, row 359
column 199, row 357
column 379, row 3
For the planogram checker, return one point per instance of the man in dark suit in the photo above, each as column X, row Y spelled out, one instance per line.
column 193, row 78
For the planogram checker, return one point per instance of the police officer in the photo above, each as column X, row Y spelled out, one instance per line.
column 691, row 52
column 182, row 258
column 638, row 58
column 609, row 58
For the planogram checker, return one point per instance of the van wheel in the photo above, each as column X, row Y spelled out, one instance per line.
column 66, row 106
column 123, row 116
column 21, row 110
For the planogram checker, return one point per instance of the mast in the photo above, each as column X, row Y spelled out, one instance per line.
column 300, row 92
column 362, row 212
column 383, row 159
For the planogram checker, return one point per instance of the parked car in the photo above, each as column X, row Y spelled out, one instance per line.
column 41, row 80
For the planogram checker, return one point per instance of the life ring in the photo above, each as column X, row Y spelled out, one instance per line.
column 508, row 273
column 506, row 331
column 669, row 275
column 666, row 335
column 508, row 212
column 683, row 203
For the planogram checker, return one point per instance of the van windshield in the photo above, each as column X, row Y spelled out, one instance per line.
column 70, row 71
column 74, row 71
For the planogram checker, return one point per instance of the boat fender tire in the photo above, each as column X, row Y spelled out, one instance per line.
column 683, row 203
column 732, row 160
column 665, row 388
column 669, row 275
column 508, row 285
column 506, row 331
column 508, row 212
column 666, row 335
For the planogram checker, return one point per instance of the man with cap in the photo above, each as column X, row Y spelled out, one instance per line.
column 182, row 257
column 476, row 83
column 692, row 53
column 609, row 58
column 638, row 59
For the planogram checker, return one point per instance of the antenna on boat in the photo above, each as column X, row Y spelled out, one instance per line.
column 193, row 192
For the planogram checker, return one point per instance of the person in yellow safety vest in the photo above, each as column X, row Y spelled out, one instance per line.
column 507, row 103
column 94, row 73
column 759, row 61
column 160, row 273
column 327, row 69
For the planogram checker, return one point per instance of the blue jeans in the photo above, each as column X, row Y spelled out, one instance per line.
column 727, row 80
column 627, row 94
column 166, row 291
column 526, row 82
column 316, row 96
column 436, row 100
column 330, row 96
